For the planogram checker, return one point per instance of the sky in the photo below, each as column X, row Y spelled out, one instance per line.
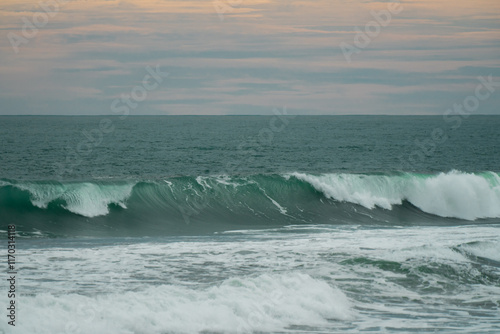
column 243, row 57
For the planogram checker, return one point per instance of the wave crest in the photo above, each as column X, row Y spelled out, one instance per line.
column 455, row 194
column 186, row 204
column 85, row 199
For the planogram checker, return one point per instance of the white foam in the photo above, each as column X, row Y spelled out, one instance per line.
column 43, row 194
column 238, row 305
column 489, row 250
column 281, row 209
column 454, row 194
column 202, row 181
column 91, row 200
column 85, row 199
column 366, row 190
column 127, row 296
column 225, row 180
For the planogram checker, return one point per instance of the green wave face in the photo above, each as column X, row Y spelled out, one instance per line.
column 212, row 203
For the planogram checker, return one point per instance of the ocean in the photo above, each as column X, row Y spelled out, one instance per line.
column 250, row 224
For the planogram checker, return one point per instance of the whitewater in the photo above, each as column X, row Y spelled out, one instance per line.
column 291, row 279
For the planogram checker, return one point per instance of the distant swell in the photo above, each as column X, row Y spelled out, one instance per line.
column 180, row 203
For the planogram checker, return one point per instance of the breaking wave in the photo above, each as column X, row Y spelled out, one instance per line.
column 454, row 194
column 259, row 200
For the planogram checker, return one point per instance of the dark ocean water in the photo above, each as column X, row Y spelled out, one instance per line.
column 282, row 224
column 76, row 148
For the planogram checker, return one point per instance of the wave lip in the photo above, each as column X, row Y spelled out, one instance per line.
column 366, row 190
column 85, row 199
column 454, row 194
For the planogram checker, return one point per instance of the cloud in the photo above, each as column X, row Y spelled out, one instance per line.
column 263, row 54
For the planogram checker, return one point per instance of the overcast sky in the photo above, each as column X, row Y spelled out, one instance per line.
column 247, row 56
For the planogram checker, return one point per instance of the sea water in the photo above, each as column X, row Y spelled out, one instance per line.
column 252, row 224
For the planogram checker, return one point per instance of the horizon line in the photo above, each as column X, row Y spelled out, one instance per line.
column 221, row 115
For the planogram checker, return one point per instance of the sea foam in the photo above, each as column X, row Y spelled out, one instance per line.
column 85, row 199
column 238, row 305
column 453, row 194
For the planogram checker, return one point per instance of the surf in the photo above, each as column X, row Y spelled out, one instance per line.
column 455, row 194
column 210, row 203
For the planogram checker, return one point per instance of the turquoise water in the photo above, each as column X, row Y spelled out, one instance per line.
column 259, row 224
